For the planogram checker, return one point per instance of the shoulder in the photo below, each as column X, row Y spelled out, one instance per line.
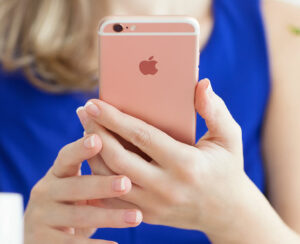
column 282, row 22
column 288, row 11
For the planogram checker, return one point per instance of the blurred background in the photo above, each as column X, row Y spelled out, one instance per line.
column 292, row 1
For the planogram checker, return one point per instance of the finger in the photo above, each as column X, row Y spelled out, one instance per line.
column 50, row 236
column 112, row 203
column 139, row 197
column 119, row 159
column 89, row 187
column 116, row 203
column 155, row 143
column 71, row 156
column 222, row 128
column 85, row 216
column 96, row 163
column 98, row 166
column 129, row 146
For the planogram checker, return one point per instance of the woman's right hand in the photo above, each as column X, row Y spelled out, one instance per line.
column 65, row 207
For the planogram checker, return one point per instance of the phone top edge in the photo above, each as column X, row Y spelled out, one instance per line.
column 149, row 19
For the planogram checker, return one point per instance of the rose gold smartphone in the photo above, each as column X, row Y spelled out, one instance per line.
column 149, row 69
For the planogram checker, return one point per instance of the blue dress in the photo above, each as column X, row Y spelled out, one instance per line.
column 35, row 125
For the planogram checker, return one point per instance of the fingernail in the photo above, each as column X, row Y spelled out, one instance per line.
column 133, row 217
column 92, row 109
column 89, row 142
column 208, row 89
column 119, row 184
column 83, row 116
column 79, row 109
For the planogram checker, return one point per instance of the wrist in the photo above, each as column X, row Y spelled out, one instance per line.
column 254, row 221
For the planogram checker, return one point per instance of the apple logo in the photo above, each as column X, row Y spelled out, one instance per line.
column 147, row 67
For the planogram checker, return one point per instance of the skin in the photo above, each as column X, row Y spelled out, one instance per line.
column 71, row 214
column 282, row 131
column 200, row 9
column 215, row 205
column 201, row 187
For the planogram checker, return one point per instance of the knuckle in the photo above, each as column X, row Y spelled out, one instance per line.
column 189, row 168
column 171, row 195
column 38, row 191
column 116, row 157
column 221, row 106
column 61, row 156
column 141, row 137
column 179, row 199
column 67, row 151
column 172, row 198
column 237, row 129
column 191, row 173
column 117, row 160
column 187, row 155
column 34, row 215
column 220, row 101
column 62, row 152
column 38, row 202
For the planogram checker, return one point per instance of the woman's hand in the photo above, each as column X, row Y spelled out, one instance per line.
column 65, row 207
column 201, row 187
column 183, row 185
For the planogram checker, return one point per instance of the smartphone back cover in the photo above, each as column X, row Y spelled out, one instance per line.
column 150, row 71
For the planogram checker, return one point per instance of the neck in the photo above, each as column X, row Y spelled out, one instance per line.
column 196, row 8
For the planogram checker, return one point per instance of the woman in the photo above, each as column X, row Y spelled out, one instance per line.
column 51, row 45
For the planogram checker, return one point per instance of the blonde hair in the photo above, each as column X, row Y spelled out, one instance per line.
column 52, row 41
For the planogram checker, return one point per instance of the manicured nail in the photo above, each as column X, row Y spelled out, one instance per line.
column 119, row 184
column 208, row 88
column 92, row 109
column 133, row 217
column 79, row 109
column 89, row 142
column 83, row 116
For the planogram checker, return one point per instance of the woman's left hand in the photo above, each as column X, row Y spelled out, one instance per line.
column 193, row 187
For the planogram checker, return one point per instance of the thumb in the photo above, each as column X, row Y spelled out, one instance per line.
column 222, row 128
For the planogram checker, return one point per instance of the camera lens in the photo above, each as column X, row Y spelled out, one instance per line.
column 118, row 28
